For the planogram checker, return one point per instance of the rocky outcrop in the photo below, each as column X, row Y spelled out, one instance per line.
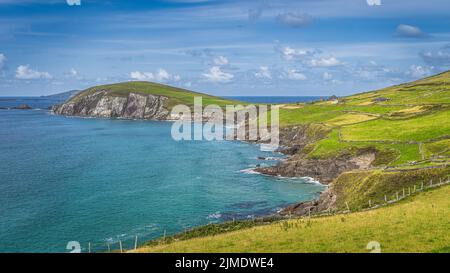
column 323, row 170
column 22, row 107
column 296, row 141
column 102, row 104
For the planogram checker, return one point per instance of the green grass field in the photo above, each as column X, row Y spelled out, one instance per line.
column 420, row 223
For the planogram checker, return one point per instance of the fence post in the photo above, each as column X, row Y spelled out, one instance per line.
column 348, row 208
column 409, row 191
column 370, row 203
column 422, row 186
column 403, row 192
column 89, row 247
column 164, row 235
column 431, row 182
column 120, row 245
column 135, row 242
column 414, row 190
column 397, row 195
column 109, row 248
column 385, row 198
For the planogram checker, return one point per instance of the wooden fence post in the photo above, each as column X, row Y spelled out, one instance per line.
column 109, row 248
column 385, row 198
column 120, row 245
column 370, row 203
column 397, row 195
column 135, row 242
column 89, row 247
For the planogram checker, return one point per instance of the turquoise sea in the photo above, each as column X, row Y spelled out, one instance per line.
column 99, row 181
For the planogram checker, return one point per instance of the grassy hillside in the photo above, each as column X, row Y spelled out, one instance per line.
column 406, row 123
column 408, row 127
column 176, row 95
column 417, row 224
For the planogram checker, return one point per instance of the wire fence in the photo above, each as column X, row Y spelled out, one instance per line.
column 121, row 246
column 373, row 203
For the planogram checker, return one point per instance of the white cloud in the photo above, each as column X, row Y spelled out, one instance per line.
column 142, row 76
column 263, row 72
column 73, row 2
column 373, row 2
column 221, row 60
column 294, row 19
column 409, row 31
column 294, row 74
column 324, row 62
column 418, row 71
column 439, row 58
column 24, row 72
column 160, row 76
column 217, row 75
column 327, row 76
column 2, row 61
column 289, row 53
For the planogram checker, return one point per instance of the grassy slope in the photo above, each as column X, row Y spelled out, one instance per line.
column 409, row 132
column 417, row 224
column 415, row 112
column 176, row 95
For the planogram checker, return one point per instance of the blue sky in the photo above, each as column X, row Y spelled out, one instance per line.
column 228, row 48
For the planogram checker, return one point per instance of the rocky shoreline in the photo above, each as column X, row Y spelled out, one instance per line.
column 294, row 140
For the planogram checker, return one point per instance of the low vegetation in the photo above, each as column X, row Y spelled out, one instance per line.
column 417, row 224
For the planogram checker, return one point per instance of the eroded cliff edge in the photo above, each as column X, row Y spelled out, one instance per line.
column 102, row 104
column 297, row 141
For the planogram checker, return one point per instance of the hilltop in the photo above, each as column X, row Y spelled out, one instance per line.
column 133, row 100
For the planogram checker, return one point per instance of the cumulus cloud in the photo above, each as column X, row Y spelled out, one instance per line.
column 24, row 72
column 373, row 2
column 217, row 75
column 419, row 71
column 159, row 76
column 289, row 53
column 439, row 58
column 221, row 60
column 2, row 61
column 308, row 57
column 327, row 76
column 263, row 73
column 294, row 19
column 324, row 62
column 409, row 31
column 73, row 2
column 294, row 74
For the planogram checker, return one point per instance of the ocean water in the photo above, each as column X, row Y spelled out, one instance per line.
column 99, row 181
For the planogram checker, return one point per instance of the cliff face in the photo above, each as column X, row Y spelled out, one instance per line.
column 102, row 104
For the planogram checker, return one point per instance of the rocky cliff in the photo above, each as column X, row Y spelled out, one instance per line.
column 102, row 104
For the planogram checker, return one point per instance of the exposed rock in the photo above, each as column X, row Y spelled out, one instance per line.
column 102, row 104
column 296, row 139
column 23, row 107
column 380, row 99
